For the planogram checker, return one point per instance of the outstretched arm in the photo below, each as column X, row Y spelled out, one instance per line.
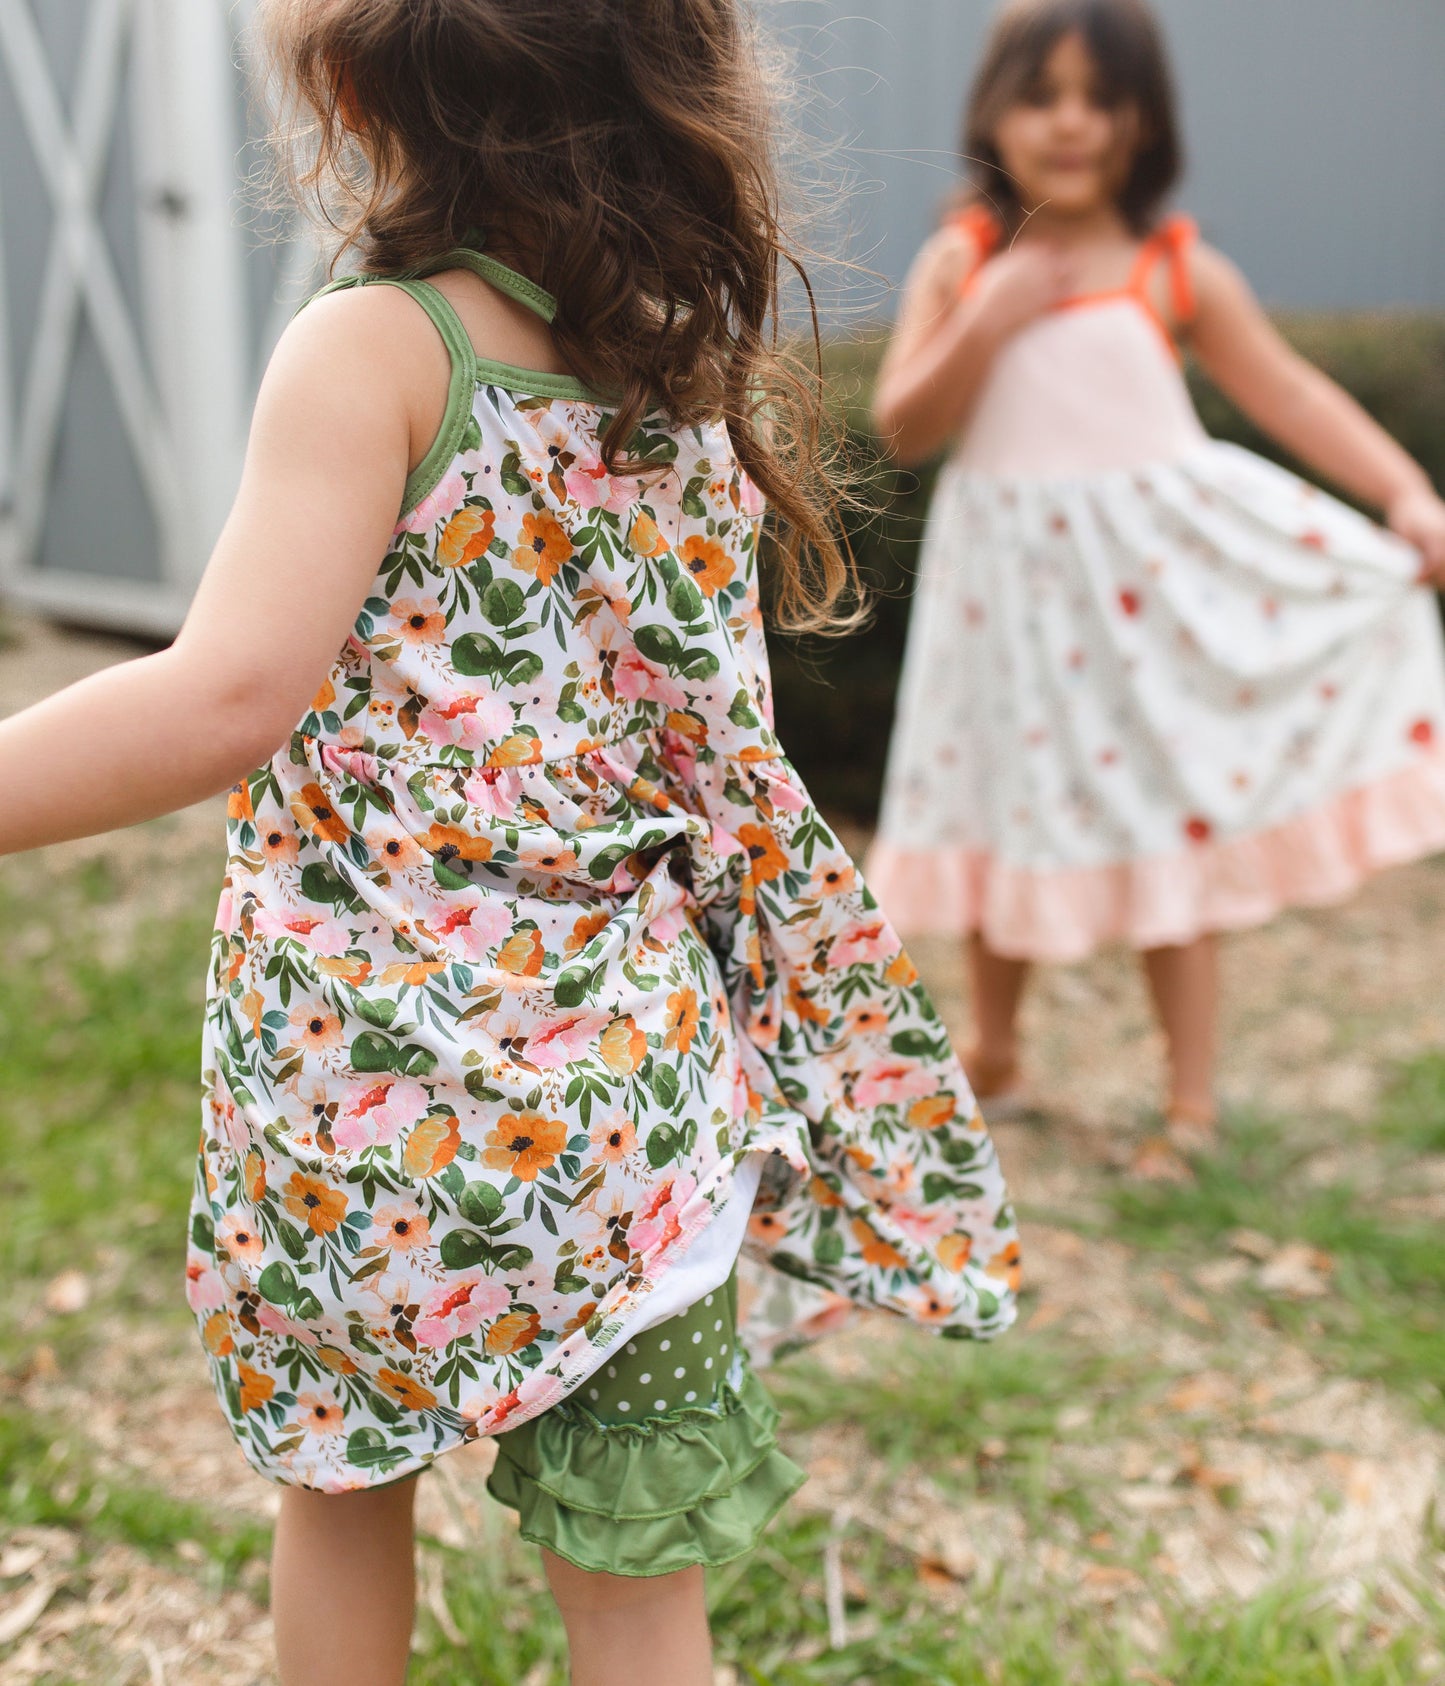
column 1306, row 412
column 329, row 453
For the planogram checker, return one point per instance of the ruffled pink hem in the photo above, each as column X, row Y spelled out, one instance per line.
column 1313, row 860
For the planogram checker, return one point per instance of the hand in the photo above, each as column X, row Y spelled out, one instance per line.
column 1418, row 516
column 1021, row 285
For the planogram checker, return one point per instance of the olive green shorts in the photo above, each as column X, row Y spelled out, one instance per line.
column 663, row 1459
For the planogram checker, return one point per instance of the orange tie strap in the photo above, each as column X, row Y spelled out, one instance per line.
column 1170, row 244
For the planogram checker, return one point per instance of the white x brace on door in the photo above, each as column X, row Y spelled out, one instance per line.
column 132, row 327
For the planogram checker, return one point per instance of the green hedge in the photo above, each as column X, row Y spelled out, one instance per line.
column 835, row 696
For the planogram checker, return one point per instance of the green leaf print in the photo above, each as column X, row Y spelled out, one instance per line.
column 522, row 667
column 472, row 438
column 503, row 603
column 939, row 1186
column 481, row 1204
column 664, row 1085
column 292, row 1240
column 375, row 1010
column 464, row 1249
column 659, row 644
column 573, row 987
column 828, row 1248
column 368, row 1448
column 374, row 1052
column 278, row 1284
column 320, row 883
column 741, row 713
column 476, row 655
column 684, row 599
column 203, row 1233
column 692, row 503
column 918, row 1045
column 664, row 1144
column 511, row 476
column 698, row 664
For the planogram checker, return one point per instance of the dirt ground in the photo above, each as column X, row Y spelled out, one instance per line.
column 1245, row 1459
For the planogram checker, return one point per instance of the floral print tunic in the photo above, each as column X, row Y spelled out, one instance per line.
column 531, row 939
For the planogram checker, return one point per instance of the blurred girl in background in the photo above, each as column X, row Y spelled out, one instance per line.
column 1155, row 687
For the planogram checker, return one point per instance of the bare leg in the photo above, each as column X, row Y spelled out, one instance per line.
column 343, row 1586
column 1185, row 985
column 621, row 1629
column 998, row 988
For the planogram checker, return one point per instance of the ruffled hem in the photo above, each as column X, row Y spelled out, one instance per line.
column 692, row 1488
column 1063, row 915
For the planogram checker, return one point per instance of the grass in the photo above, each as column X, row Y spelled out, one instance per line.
column 98, row 1100
column 1385, row 1320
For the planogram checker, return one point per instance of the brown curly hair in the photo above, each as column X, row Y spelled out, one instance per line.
column 623, row 154
column 1127, row 47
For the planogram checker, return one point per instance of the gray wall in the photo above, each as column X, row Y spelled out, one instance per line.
column 1315, row 128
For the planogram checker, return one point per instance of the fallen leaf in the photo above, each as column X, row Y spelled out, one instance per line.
column 1297, row 1271
column 1252, row 1244
column 68, row 1293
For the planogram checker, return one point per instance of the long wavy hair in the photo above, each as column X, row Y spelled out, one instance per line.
column 1124, row 40
column 623, row 154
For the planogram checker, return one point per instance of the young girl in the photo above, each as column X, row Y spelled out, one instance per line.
column 534, row 963
column 1155, row 687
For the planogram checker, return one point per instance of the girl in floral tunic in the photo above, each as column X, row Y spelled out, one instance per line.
column 1156, row 687
column 538, row 982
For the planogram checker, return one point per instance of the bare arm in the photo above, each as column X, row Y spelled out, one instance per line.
column 946, row 341
column 333, row 437
column 1305, row 411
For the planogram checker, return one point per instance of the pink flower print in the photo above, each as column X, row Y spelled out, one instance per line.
column 465, row 718
column 471, row 929
column 320, row 1413
column 375, row 1114
column 563, row 1041
column 635, row 679
column 205, row 1290
column 352, row 764
column 241, row 1239
column 540, row 1392
column 459, row 1307
column 928, row 1227
column 448, row 497
column 495, row 791
column 751, row 500
column 891, row 1081
column 833, row 877
column 614, row 1138
column 326, row 937
column 668, row 925
column 864, row 942
column 592, row 487
column 226, row 912
column 658, row 1222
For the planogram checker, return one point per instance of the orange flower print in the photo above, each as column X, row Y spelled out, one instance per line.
column 954, row 1251
column 614, row 1140
column 337, row 1361
column 314, row 1203
column 256, row 1388
column 395, row 850
column 522, row 954
column 587, row 927
column 1004, row 1266
column 421, row 620
column 216, row 1335
column 409, row 1394
column 803, row 1005
column 514, row 1331
column 465, row 537
column 403, row 1227
column 323, row 698
column 768, row 859
column 238, row 803
column 254, row 1175
column 644, row 539
column 767, row 1227
column 622, row 1047
column 240, row 1239
column 875, row 1250
column 316, row 1028
column 682, row 1019
column 516, row 751
column 902, row 971
column 524, row 1144
column 868, row 1018
column 450, row 843
column 320, row 1414
column 834, row 878
column 279, row 845
column 545, row 546
column 431, row 1146
column 709, row 564
column 933, row 1111
column 314, row 813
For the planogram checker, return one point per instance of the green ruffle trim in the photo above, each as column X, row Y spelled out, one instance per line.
column 693, row 1487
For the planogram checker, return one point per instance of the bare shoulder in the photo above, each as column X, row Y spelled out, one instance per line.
column 1218, row 280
